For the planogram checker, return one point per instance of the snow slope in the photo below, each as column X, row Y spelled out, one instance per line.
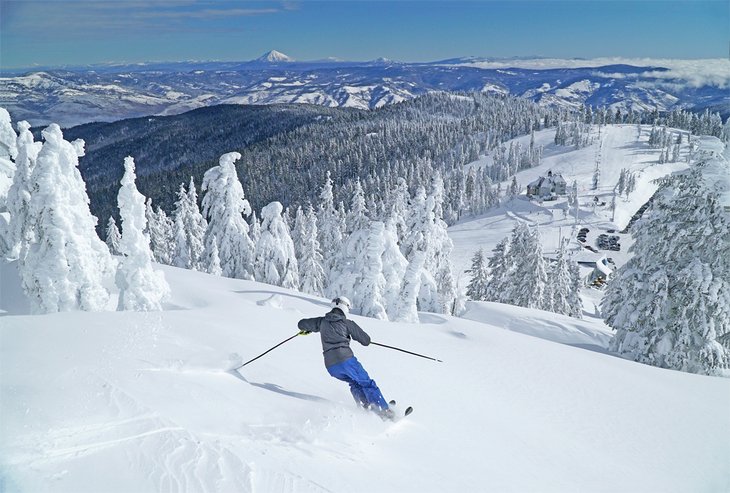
column 124, row 401
column 616, row 147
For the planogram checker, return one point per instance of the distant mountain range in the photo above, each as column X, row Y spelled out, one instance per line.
column 76, row 95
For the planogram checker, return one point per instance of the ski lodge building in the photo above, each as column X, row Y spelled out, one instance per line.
column 547, row 187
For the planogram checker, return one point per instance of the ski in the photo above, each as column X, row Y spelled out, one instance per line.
column 408, row 410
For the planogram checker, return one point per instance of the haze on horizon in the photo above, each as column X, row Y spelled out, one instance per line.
column 56, row 33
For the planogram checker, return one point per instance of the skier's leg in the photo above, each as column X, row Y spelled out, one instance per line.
column 340, row 372
column 366, row 385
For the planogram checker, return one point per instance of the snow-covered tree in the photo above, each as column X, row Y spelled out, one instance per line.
column 529, row 275
column 66, row 261
column 311, row 269
column 211, row 259
column 394, row 268
column 188, row 229
column 8, row 137
column 225, row 206
column 275, row 260
column 518, row 274
column 330, row 231
column 346, row 272
column 398, row 209
column 160, row 229
column 407, row 304
column 565, row 285
column 141, row 288
column 477, row 287
column 499, row 268
column 427, row 233
column 113, row 236
column 670, row 303
column 369, row 300
column 19, row 232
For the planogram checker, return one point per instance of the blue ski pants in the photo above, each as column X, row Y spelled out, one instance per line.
column 363, row 389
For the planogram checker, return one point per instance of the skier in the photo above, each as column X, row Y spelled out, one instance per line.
column 336, row 331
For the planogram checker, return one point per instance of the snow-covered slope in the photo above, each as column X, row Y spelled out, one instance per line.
column 122, row 401
column 614, row 147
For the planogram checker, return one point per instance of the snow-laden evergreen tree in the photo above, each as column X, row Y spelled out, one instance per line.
column 499, row 269
column 330, row 232
column 8, row 137
column 66, row 262
column 406, row 306
column 182, row 256
column 211, row 259
column 477, row 287
column 442, row 247
column 346, row 271
column 518, row 274
column 189, row 229
column 398, row 209
column 357, row 217
column 427, row 233
column 19, row 233
column 394, row 268
column 275, row 260
column 160, row 229
column 298, row 231
column 311, row 269
column 141, row 288
column 529, row 274
column 369, row 300
column 254, row 228
column 113, row 236
column 565, row 285
column 670, row 303
column 225, row 206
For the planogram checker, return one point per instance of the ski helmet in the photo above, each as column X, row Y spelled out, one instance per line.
column 342, row 303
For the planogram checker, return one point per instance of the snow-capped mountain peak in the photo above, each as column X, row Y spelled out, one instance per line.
column 274, row 56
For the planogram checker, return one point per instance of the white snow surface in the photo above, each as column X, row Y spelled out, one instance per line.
column 524, row 400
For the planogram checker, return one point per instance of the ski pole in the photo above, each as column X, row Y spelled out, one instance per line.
column 264, row 353
column 404, row 351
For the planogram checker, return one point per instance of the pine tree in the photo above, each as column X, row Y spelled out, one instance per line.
column 311, row 269
column 500, row 268
column 188, row 230
column 394, row 268
column 211, row 259
column 670, row 303
column 565, row 283
column 477, row 287
column 330, row 232
column 225, row 206
column 160, row 230
column 369, row 300
column 20, row 233
column 66, row 262
column 407, row 305
column 113, row 237
column 141, row 288
column 275, row 260
column 529, row 277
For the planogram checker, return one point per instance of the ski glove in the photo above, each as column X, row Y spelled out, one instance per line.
column 304, row 332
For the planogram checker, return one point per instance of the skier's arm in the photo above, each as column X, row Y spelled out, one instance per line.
column 357, row 333
column 309, row 324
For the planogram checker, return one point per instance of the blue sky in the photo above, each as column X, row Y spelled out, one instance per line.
column 58, row 32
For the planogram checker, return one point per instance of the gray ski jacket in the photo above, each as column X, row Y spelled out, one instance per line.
column 336, row 332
